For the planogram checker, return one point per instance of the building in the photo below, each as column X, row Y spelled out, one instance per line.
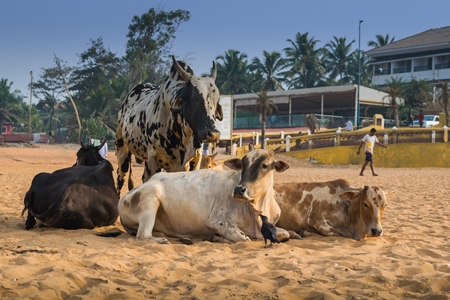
column 424, row 56
column 330, row 102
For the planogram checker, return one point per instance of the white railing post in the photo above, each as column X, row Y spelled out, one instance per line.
column 445, row 133
column 233, row 149
column 337, row 137
column 257, row 139
column 240, row 139
column 433, row 136
column 386, row 138
column 288, row 143
column 282, row 135
column 265, row 143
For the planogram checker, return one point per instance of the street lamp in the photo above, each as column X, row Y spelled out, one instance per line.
column 31, row 95
column 359, row 73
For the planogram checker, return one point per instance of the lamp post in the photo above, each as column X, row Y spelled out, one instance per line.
column 31, row 95
column 359, row 73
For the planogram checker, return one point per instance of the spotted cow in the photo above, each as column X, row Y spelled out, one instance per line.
column 206, row 202
column 165, row 127
column 331, row 208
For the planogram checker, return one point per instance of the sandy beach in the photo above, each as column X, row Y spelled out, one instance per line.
column 410, row 261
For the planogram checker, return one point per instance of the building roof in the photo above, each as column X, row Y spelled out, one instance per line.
column 432, row 39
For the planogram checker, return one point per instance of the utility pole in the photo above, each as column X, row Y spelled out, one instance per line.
column 359, row 75
column 31, row 95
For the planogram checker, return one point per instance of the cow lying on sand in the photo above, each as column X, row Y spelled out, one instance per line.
column 82, row 196
column 331, row 208
column 206, row 202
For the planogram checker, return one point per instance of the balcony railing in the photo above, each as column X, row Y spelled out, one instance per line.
column 402, row 70
column 442, row 66
column 422, row 68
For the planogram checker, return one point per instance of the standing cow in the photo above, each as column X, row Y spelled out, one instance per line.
column 206, row 202
column 82, row 196
column 165, row 127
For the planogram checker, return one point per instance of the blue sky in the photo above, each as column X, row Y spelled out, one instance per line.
column 32, row 30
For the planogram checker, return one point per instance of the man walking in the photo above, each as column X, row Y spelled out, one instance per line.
column 369, row 141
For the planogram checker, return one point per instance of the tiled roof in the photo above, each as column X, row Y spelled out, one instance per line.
column 426, row 38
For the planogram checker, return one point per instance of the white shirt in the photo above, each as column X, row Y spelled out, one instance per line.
column 349, row 125
column 369, row 142
column 104, row 151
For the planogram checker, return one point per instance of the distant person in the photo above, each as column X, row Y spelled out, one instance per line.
column 103, row 150
column 369, row 141
column 410, row 118
column 348, row 125
column 420, row 118
column 205, row 150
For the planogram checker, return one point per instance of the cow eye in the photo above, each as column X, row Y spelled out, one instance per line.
column 366, row 205
column 264, row 166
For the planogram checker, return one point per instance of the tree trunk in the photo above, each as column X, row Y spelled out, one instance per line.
column 263, row 132
column 395, row 108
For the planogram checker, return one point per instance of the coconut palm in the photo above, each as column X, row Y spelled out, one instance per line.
column 10, row 108
column 337, row 56
column 232, row 73
column 268, row 71
column 380, row 41
column 418, row 92
column 443, row 96
column 395, row 91
column 305, row 68
column 264, row 106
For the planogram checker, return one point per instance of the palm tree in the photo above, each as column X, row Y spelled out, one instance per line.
column 443, row 96
column 380, row 41
column 268, row 72
column 303, row 60
column 337, row 57
column 232, row 73
column 394, row 89
column 10, row 108
column 418, row 92
column 264, row 106
column 366, row 69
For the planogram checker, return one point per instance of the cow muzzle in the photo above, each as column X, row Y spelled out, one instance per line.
column 209, row 135
column 376, row 232
column 240, row 193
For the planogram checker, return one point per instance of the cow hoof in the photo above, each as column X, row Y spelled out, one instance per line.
column 186, row 241
column 295, row 236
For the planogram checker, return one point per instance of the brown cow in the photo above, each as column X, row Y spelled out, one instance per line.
column 331, row 208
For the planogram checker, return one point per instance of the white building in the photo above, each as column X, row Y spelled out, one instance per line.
column 424, row 56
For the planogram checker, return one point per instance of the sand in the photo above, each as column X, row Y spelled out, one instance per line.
column 411, row 260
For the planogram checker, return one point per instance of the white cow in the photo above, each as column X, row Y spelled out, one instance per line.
column 206, row 202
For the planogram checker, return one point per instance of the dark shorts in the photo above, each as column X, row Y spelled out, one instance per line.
column 368, row 156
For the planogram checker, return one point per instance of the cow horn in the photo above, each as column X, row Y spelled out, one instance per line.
column 184, row 75
column 214, row 71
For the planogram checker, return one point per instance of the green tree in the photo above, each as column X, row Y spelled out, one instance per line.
column 305, row 68
column 10, row 107
column 418, row 92
column 337, row 57
column 149, row 42
column 264, row 106
column 232, row 73
column 366, row 69
column 395, row 91
column 268, row 71
column 443, row 96
column 380, row 41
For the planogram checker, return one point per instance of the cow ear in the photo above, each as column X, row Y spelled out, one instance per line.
column 177, row 105
column 83, row 145
column 214, row 155
column 351, row 195
column 280, row 166
column 219, row 112
column 234, row 164
column 101, row 145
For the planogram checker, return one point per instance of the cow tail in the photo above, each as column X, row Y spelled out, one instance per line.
column 27, row 203
column 130, row 177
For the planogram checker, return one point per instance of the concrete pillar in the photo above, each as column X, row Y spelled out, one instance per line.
column 257, row 139
column 288, row 143
column 337, row 137
column 265, row 143
column 395, row 135
column 240, row 139
column 445, row 134
column 386, row 138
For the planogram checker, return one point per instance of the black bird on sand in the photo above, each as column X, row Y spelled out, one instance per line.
column 269, row 231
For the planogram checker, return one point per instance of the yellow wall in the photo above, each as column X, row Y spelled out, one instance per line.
column 395, row 156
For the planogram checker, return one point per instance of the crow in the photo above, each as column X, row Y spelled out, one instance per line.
column 268, row 231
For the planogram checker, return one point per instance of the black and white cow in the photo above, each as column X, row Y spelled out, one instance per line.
column 166, row 126
column 82, row 196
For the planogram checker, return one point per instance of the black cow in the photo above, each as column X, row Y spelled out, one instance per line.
column 82, row 196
